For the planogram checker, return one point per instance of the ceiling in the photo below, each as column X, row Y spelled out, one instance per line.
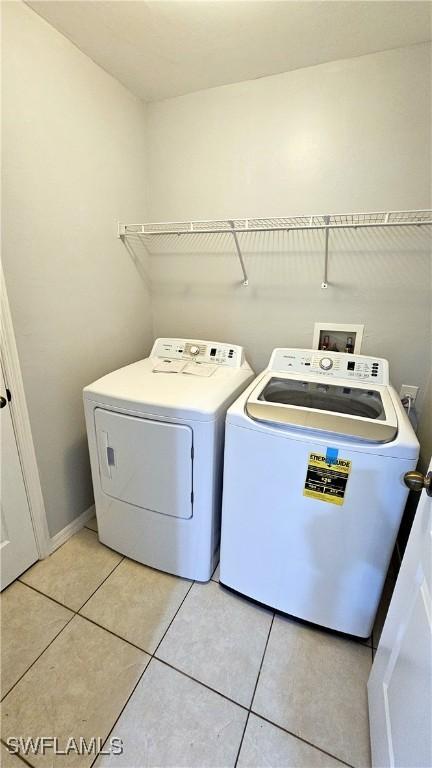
column 166, row 48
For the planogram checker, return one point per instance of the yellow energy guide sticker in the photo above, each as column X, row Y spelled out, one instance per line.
column 326, row 480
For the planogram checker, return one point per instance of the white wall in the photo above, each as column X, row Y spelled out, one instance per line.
column 73, row 148
column 352, row 135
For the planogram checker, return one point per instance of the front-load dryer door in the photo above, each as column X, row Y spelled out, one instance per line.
column 145, row 463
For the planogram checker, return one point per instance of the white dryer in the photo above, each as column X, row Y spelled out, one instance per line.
column 316, row 450
column 155, row 431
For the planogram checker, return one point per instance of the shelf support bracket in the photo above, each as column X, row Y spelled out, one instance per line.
column 245, row 280
column 121, row 230
column 324, row 283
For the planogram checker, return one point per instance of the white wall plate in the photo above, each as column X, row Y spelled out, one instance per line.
column 338, row 334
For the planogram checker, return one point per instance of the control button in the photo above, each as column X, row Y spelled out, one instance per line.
column 194, row 350
column 326, row 363
column 213, row 352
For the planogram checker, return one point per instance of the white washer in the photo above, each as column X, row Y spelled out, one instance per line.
column 155, row 431
column 315, row 453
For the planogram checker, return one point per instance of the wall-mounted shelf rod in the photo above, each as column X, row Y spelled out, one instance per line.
column 324, row 283
column 235, row 227
column 240, row 255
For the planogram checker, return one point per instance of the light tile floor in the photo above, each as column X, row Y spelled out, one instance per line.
column 186, row 674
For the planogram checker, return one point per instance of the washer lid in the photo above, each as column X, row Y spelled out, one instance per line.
column 345, row 410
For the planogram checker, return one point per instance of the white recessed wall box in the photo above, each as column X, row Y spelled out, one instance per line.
column 338, row 337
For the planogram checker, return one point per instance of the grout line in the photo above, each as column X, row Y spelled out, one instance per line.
column 200, row 682
column 16, row 754
column 151, row 656
column 101, row 626
column 63, row 605
column 254, row 691
column 169, row 625
column 122, row 709
column 138, row 647
column 242, row 739
column 148, row 652
column 114, row 634
column 85, row 618
column 141, row 676
column 281, row 728
column 251, row 711
column 38, row 657
column 74, row 613
column 102, row 582
column 301, row 738
column 53, row 600
column 262, row 661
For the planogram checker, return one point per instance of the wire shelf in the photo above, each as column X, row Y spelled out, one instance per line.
column 235, row 227
column 315, row 221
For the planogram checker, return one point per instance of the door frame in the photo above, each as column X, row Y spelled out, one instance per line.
column 21, row 425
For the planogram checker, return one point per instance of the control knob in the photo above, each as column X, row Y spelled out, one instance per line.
column 194, row 350
column 326, row 363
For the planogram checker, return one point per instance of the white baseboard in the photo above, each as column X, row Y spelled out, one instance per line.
column 62, row 536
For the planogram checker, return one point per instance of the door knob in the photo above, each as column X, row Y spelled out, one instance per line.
column 416, row 481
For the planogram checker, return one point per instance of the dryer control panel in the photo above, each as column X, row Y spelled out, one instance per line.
column 213, row 352
column 331, row 365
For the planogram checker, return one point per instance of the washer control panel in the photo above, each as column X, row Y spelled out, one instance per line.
column 214, row 352
column 331, row 365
